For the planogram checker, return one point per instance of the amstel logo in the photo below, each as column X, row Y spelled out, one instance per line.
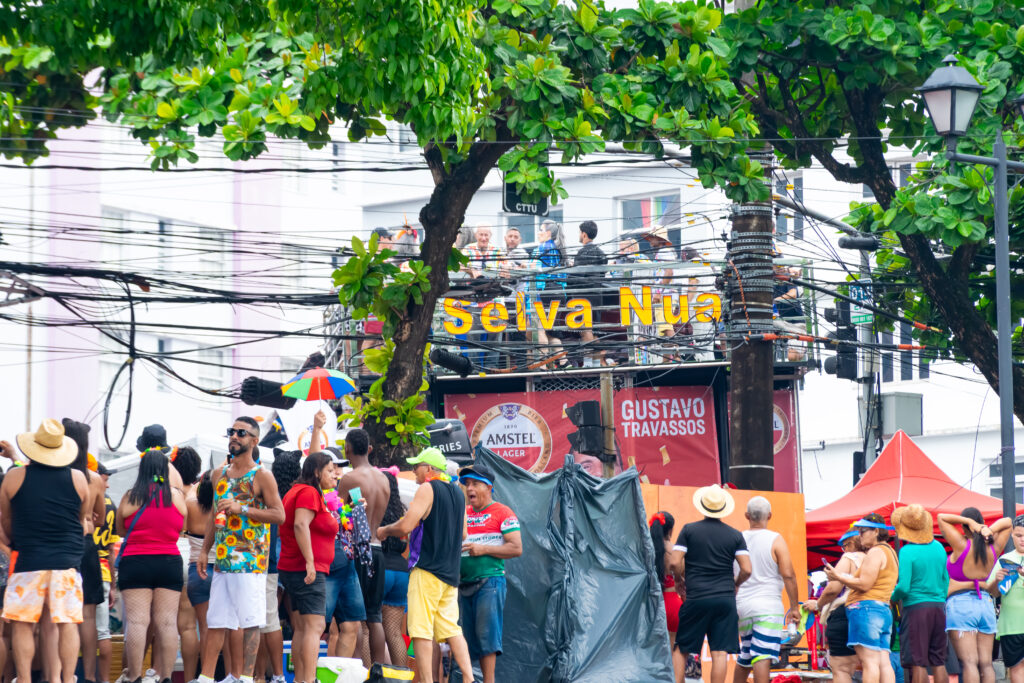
column 517, row 433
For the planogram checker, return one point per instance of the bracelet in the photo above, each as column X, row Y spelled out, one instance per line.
column 245, row 510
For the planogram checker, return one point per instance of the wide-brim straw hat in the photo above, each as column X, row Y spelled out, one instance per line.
column 713, row 501
column 48, row 445
column 913, row 524
column 659, row 231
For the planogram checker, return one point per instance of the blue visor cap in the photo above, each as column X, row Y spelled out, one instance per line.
column 478, row 472
column 868, row 524
column 852, row 533
column 478, row 478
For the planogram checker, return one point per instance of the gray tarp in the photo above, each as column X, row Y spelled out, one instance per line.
column 584, row 602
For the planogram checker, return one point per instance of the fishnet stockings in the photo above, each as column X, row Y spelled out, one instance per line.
column 394, row 627
column 142, row 606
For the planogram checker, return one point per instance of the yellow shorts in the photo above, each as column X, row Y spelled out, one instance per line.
column 433, row 607
column 58, row 589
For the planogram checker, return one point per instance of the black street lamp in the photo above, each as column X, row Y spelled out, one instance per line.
column 951, row 94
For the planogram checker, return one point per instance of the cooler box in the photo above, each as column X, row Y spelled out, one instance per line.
column 289, row 665
column 340, row 670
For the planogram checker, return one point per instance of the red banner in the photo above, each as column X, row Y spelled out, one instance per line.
column 785, row 441
column 668, row 433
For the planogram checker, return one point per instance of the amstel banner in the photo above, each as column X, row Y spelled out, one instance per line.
column 668, row 433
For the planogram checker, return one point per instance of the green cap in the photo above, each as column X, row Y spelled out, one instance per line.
column 430, row 456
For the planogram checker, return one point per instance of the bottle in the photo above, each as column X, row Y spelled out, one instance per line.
column 792, row 631
column 221, row 519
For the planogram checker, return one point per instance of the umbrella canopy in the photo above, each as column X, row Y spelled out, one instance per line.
column 319, row 384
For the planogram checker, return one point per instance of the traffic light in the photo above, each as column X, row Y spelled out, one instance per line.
column 844, row 364
column 588, row 438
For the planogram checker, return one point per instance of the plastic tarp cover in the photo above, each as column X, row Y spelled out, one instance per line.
column 584, row 601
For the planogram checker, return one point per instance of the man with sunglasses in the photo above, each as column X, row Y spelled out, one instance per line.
column 247, row 501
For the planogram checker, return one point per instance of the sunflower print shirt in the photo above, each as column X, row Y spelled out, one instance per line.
column 241, row 545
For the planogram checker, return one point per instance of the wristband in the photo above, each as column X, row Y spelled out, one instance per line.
column 245, row 510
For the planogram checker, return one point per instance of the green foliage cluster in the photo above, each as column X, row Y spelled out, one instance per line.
column 835, row 84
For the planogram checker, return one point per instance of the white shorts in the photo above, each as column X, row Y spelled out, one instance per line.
column 237, row 601
column 273, row 621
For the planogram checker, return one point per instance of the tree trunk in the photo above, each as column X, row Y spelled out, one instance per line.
column 441, row 219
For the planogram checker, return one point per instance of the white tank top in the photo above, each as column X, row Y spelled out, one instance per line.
column 762, row 592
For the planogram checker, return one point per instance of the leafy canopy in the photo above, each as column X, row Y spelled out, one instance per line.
column 840, row 77
column 561, row 76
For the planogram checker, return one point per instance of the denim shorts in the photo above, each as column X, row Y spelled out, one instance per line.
column 967, row 612
column 396, row 588
column 870, row 625
column 197, row 589
column 482, row 608
column 344, row 595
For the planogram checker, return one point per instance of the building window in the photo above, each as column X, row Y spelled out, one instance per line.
column 887, row 371
column 213, row 243
column 995, row 470
column 998, row 493
column 527, row 225
column 406, row 138
column 904, row 171
column 337, row 160
column 642, row 213
column 112, row 246
column 792, row 187
column 212, row 374
column 866, row 192
column 162, row 347
column 905, row 359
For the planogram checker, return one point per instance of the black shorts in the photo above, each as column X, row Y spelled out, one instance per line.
column 714, row 617
column 836, row 631
column 150, row 571
column 1012, row 649
column 92, row 579
column 372, row 587
column 306, row 598
column 923, row 635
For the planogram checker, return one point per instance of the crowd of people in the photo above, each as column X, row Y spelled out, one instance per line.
column 221, row 564
column 889, row 614
column 554, row 272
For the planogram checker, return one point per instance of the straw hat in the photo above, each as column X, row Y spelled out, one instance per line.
column 713, row 501
column 913, row 524
column 48, row 445
column 659, row 231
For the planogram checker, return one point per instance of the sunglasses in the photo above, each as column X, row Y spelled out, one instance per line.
column 238, row 432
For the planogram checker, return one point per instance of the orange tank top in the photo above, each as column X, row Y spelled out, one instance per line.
column 884, row 583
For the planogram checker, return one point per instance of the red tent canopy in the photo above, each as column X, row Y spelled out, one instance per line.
column 901, row 475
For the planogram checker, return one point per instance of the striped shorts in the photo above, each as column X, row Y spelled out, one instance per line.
column 760, row 638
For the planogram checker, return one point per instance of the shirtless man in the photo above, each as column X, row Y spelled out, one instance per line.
column 375, row 489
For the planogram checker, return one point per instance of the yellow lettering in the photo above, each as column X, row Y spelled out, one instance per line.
column 582, row 317
column 547, row 318
column 708, row 302
column 521, row 311
column 684, row 310
column 628, row 302
column 487, row 320
column 453, row 307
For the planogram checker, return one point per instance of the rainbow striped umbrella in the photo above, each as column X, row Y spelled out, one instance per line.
column 319, row 384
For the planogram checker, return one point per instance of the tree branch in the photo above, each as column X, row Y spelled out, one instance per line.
column 960, row 265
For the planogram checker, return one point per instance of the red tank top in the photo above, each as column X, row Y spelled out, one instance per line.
column 156, row 532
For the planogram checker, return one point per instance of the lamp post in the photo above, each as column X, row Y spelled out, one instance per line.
column 951, row 94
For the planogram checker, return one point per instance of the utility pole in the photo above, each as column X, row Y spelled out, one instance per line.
column 750, row 280
column 608, row 423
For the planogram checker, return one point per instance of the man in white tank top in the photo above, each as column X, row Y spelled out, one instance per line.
column 759, row 598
